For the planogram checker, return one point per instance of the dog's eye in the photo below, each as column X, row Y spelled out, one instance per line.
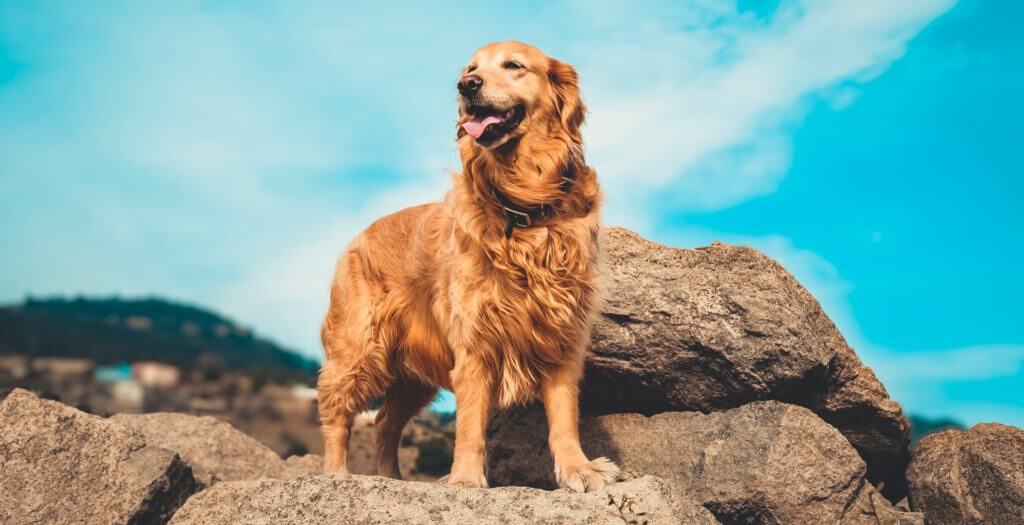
column 471, row 69
column 512, row 64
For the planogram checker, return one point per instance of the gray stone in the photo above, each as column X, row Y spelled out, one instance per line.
column 717, row 327
column 349, row 498
column 214, row 449
column 765, row 462
column 969, row 476
column 307, row 465
column 60, row 465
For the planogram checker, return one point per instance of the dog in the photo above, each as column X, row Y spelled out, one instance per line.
column 490, row 293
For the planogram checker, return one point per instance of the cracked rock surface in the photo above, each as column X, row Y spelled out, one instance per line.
column 766, row 462
column 370, row 499
column 60, row 465
column 717, row 327
column 969, row 476
column 215, row 449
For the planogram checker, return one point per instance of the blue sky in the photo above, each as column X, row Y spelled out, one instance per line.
column 223, row 153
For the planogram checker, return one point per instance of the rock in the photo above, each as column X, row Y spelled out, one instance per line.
column 717, row 327
column 60, row 465
column 971, row 476
column 362, row 449
column 369, row 499
column 308, row 465
column 765, row 462
column 911, row 518
column 217, row 451
column 906, row 516
column 214, row 449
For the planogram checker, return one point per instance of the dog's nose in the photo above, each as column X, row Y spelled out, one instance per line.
column 470, row 84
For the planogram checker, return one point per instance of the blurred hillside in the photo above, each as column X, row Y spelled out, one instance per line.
column 114, row 330
column 108, row 356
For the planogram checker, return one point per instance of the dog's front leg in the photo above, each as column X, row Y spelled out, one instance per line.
column 560, row 393
column 473, row 385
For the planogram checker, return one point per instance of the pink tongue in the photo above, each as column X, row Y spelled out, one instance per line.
column 477, row 126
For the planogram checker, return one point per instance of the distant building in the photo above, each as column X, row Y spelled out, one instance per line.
column 14, row 367
column 201, row 404
column 138, row 322
column 156, row 375
column 113, row 373
column 304, row 392
column 127, row 396
column 62, row 366
column 190, row 328
column 221, row 330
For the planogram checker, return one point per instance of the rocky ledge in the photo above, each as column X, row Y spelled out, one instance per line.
column 371, row 499
column 715, row 381
column 765, row 462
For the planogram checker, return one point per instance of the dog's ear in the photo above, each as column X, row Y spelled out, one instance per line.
column 571, row 109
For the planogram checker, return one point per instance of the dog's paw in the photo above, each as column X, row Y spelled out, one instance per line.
column 469, row 480
column 590, row 476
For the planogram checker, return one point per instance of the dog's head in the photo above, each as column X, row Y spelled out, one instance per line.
column 509, row 90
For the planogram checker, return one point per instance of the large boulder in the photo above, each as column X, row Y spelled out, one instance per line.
column 214, row 449
column 971, row 476
column 369, row 499
column 716, row 327
column 60, row 465
column 765, row 462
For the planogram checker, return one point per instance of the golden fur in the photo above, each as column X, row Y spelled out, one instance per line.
column 436, row 296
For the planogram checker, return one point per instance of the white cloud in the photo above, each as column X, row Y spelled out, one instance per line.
column 709, row 121
column 956, row 382
column 708, row 124
column 697, row 101
column 961, row 364
column 249, row 142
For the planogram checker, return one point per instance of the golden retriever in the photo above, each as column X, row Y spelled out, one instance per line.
column 490, row 293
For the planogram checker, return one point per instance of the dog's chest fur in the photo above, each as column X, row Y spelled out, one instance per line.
column 529, row 311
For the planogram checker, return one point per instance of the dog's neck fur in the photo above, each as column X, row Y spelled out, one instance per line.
column 530, row 171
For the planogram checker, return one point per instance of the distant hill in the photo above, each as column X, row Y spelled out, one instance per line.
column 118, row 330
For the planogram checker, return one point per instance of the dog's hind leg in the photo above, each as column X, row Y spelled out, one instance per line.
column 338, row 406
column 345, row 387
column 356, row 339
column 404, row 398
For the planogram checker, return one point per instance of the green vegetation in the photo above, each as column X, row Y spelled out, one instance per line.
column 116, row 330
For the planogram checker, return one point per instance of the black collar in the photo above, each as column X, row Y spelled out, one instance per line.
column 525, row 216
column 521, row 216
